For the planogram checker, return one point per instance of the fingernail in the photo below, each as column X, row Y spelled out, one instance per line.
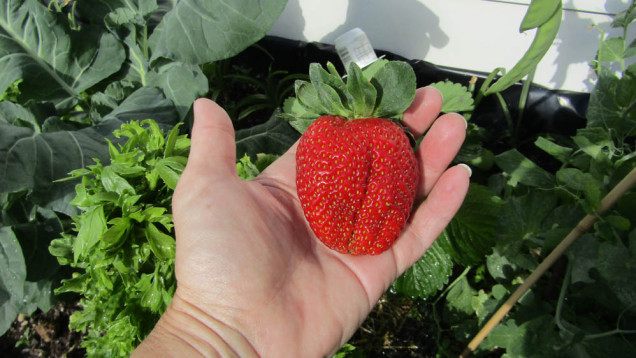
column 465, row 121
column 470, row 171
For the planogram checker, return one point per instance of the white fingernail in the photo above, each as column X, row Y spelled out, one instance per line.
column 465, row 121
column 470, row 171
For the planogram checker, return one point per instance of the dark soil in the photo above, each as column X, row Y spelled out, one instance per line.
column 43, row 335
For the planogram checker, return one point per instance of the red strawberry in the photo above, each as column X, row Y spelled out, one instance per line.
column 356, row 182
column 356, row 171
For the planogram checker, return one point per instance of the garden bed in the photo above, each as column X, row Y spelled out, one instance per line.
column 397, row 327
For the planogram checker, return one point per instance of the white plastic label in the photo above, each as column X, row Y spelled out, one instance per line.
column 354, row 46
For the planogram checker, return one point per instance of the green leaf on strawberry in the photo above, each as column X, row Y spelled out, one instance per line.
column 384, row 89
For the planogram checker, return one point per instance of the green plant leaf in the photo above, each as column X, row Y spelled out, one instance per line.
column 593, row 141
column 307, row 97
column 610, row 103
column 198, row 31
column 581, row 182
column 317, row 74
column 534, row 337
column 395, row 84
column 459, row 298
column 273, row 137
column 427, row 276
column 522, row 170
column 12, row 277
column 470, row 235
column 16, row 115
column 539, row 12
column 456, row 97
column 181, row 83
column 91, row 227
column 53, row 63
column 144, row 103
column 625, row 17
column 617, row 266
column 612, row 50
column 361, row 93
column 115, row 183
column 544, row 37
column 559, row 152
column 34, row 161
column 299, row 116
column 330, row 99
column 162, row 245
column 34, row 237
column 521, row 218
column 170, row 170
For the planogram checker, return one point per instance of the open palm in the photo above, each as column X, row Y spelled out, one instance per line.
column 247, row 258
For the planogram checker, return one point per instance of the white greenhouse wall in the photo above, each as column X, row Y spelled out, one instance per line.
column 477, row 35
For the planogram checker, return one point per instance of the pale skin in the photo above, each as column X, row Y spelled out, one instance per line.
column 253, row 280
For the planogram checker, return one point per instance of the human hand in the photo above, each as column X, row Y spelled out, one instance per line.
column 252, row 278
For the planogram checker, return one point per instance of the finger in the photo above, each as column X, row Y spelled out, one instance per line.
column 212, row 148
column 423, row 111
column 430, row 219
column 438, row 148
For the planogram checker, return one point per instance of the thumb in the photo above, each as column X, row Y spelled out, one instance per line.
column 213, row 147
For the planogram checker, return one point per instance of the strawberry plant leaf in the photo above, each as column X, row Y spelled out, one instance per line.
column 521, row 218
column 427, row 276
column 456, row 97
column 52, row 63
column 617, row 267
column 196, row 31
column 395, row 84
column 459, row 298
column 469, row 236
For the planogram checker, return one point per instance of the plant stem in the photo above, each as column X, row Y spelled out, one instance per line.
column 506, row 111
column 438, row 333
column 559, row 307
column 523, row 100
column 608, row 201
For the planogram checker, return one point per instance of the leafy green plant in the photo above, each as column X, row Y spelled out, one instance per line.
column 122, row 243
column 69, row 76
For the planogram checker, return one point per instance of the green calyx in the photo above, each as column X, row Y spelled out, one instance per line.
column 384, row 89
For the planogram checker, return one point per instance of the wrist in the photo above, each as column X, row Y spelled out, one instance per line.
column 185, row 330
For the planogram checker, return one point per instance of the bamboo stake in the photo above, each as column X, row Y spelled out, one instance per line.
column 585, row 224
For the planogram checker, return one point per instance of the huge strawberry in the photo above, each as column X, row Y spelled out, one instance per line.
column 356, row 170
